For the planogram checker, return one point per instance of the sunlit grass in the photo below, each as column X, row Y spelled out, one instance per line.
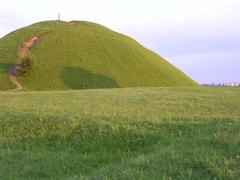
column 148, row 133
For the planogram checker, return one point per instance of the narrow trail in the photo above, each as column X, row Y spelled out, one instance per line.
column 22, row 52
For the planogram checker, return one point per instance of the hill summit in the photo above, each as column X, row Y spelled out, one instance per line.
column 58, row 55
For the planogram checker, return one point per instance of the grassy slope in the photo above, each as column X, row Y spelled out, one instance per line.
column 177, row 133
column 86, row 56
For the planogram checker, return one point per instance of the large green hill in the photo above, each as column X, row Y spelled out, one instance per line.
column 83, row 55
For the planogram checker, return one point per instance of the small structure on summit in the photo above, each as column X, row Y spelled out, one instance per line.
column 59, row 16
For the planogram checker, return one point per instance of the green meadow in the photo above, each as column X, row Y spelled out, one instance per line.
column 128, row 133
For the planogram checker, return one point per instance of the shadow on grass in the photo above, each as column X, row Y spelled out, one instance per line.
column 78, row 78
column 4, row 66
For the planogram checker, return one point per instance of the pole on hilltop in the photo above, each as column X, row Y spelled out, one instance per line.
column 59, row 16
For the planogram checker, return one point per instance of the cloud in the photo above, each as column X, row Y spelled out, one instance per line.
column 209, row 67
column 9, row 21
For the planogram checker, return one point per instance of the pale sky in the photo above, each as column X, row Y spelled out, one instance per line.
column 201, row 37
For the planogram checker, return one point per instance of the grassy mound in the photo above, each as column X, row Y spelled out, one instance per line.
column 151, row 133
column 83, row 55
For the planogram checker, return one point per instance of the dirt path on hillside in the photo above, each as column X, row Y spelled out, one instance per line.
column 22, row 52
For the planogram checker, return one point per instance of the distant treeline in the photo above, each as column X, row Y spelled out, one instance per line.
column 233, row 84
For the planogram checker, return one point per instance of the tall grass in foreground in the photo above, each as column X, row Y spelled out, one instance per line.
column 141, row 133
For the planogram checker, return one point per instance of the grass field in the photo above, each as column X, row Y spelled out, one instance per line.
column 138, row 133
